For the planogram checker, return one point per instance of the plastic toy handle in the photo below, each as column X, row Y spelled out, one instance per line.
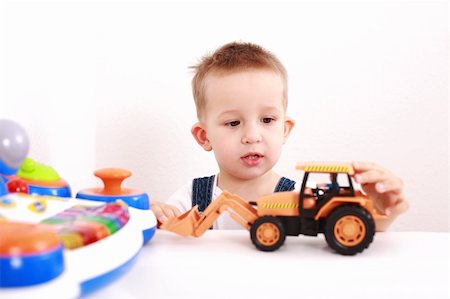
column 112, row 179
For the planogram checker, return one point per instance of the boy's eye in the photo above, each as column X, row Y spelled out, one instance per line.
column 267, row 120
column 233, row 123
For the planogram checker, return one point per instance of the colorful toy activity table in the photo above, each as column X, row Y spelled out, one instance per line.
column 58, row 246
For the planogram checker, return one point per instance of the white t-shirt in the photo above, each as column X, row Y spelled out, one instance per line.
column 182, row 199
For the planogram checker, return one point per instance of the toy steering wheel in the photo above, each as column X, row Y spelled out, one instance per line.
column 318, row 192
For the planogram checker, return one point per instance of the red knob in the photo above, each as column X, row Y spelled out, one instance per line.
column 17, row 185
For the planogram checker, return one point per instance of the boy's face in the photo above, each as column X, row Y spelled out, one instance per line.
column 244, row 121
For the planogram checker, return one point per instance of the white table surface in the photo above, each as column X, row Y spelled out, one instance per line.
column 225, row 264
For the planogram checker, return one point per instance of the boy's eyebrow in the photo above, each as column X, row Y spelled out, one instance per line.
column 274, row 108
column 228, row 113
column 267, row 108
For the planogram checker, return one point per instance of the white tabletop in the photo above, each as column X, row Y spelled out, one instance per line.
column 225, row 264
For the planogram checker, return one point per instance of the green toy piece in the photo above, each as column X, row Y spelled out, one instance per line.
column 32, row 170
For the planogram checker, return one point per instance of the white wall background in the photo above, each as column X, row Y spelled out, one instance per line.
column 100, row 84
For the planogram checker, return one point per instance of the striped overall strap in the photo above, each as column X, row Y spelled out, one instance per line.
column 202, row 189
column 285, row 184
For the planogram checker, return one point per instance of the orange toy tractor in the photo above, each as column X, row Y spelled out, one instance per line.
column 345, row 215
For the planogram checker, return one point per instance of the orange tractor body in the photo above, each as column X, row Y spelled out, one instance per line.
column 344, row 215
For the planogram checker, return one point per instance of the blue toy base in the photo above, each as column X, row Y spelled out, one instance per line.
column 86, row 268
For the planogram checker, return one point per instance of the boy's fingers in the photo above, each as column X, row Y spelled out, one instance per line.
column 394, row 202
column 175, row 211
column 370, row 176
column 160, row 211
column 398, row 208
column 360, row 166
column 382, row 181
column 390, row 202
column 164, row 211
column 171, row 211
column 402, row 207
column 155, row 208
column 367, row 173
column 394, row 186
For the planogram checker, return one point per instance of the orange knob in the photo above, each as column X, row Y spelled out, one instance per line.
column 112, row 179
column 26, row 238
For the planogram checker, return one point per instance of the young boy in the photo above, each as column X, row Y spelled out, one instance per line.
column 240, row 93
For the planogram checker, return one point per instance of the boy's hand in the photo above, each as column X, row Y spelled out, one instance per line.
column 383, row 187
column 163, row 211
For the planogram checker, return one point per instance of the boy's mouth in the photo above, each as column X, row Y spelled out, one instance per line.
column 252, row 159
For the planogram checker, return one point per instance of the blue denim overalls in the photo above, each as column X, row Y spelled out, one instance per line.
column 202, row 189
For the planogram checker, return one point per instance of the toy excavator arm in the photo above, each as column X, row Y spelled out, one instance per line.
column 192, row 223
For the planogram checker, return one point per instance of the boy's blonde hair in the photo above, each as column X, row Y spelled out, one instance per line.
column 233, row 57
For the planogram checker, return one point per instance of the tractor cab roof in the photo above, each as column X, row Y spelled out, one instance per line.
column 326, row 167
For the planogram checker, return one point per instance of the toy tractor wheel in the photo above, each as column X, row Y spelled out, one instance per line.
column 349, row 229
column 268, row 233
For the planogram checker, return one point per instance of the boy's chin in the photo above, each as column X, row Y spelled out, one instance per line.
column 250, row 174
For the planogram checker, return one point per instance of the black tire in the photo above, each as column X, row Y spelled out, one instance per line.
column 349, row 229
column 268, row 233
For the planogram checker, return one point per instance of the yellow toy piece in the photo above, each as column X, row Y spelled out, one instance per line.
column 327, row 167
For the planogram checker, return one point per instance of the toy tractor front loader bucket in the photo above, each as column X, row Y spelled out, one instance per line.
column 185, row 224
column 192, row 223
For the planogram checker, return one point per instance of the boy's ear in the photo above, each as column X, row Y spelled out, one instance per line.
column 199, row 133
column 289, row 123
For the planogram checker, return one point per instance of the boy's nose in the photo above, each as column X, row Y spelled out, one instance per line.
column 251, row 135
